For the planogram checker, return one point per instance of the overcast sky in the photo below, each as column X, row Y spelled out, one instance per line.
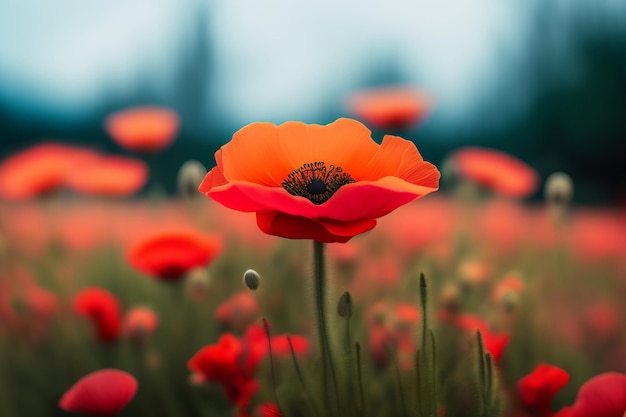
column 274, row 59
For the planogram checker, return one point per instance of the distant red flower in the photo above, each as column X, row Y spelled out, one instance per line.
column 603, row 395
column 496, row 170
column 538, row 388
column 102, row 393
column 108, row 176
column 325, row 183
column 494, row 343
column 510, row 284
column 602, row 320
column 143, row 129
column 103, row 309
column 170, row 255
column 398, row 107
column 237, row 311
column 139, row 323
column 38, row 170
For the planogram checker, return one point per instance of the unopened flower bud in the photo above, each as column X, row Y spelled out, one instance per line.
column 344, row 307
column 252, row 279
column 190, row 175
column 559, row 189
column 198, row 283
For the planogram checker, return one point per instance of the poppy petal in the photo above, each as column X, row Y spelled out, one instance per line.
column 101, row 393
column 296, row 227
column 356, row 201
column 345, row 143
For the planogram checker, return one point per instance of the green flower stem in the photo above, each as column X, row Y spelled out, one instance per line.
column 319, row 269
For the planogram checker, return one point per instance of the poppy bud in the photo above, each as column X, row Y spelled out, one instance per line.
column 139, row 324
column 344, row 307
column 559, row 189
column 198, row 283
column 252, row 279
column 190, row 175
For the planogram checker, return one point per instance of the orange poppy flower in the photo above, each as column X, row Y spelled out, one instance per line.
column 326, row 183
column 498, row 171
column 143, row 129
column 38, row 170
column 391, row 107
column 108, row 176
column 102, row 393
column 170, row 255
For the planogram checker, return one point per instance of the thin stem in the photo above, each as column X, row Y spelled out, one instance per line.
column 399, row 379
column 319, row 268
column 305, row 393
column 357, row 347
column 424, row 302
column 273, row 374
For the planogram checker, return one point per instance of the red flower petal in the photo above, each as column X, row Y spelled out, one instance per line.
column 101, row 393
column 603, row 395
column 296, row 227
column 538, row 388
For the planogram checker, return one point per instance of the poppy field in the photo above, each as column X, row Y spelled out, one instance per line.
column 305, row 270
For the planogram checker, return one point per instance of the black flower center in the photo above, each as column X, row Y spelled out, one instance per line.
column 316, row 182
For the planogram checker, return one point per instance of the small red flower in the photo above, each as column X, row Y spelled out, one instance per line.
column 238, row 311
column 603, row 395
column 494, row 343
column 230, row 364
column 538, row 388
column 498, row 171
column 139, row 323
column 326, row 183
column 391, row 107
column 103, row 309
column 102, row 393
column 143, row 129
column 170, row 255
column 108, row 176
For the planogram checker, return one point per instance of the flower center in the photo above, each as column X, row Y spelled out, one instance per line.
column 316, row 182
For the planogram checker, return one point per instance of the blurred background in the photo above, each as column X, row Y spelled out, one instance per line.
column 544, row 80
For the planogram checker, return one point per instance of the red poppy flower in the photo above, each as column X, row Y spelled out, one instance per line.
column 326, row 183
column 238, row 311
column 101, row 393
column 143, row 129
column 494, row 343
column 103, row 309
column 108, row 176
column 170, row 255
column 41, row 169
column 603, row 395
column 538, row 388
column 390, row 108
column 229, row 363
column 498, row 171
column 139, row 323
